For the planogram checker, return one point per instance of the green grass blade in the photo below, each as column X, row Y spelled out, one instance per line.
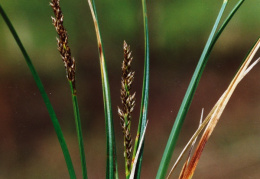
column 226, row 21
column 137, row 154
column 111, row 168
column 44, row 95
column 79, row 130
column 167, row 155
column 145, row 93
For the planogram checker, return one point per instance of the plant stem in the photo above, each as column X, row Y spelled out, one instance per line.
column 79, row 130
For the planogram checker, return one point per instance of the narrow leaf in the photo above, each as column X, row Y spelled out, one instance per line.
column 145, row 93
column 44, row 95
column 112, row 171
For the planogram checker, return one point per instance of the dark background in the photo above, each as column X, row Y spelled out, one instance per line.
column 178, row 31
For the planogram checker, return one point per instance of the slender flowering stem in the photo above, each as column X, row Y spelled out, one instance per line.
column 70, row 67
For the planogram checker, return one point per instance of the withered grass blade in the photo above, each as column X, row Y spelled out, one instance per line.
column 218, row 109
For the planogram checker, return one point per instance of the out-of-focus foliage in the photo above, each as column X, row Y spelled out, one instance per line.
column 174, row 25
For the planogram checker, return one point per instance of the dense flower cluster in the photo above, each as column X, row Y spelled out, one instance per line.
column 128, row 102
column 63, row 47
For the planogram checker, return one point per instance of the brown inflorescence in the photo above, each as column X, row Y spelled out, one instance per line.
column 128, row 102
column 63, row 47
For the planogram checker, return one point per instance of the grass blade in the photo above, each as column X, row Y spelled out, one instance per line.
column 112, row 171
column 226, row 21
column 145, row 94
column 44, row 95
column 137, row 153
column 188, row 97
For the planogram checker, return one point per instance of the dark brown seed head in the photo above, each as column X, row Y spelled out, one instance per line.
column 128, row 102
column 64, row 49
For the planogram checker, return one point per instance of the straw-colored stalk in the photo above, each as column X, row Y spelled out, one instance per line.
column 214, row 115
column 190, row 152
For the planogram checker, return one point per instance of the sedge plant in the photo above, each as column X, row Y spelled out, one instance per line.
column 133, row 154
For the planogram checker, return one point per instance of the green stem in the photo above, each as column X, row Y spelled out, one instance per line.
column 79, row 130
column 44, row 95
column 145, row 94
column 127, row 171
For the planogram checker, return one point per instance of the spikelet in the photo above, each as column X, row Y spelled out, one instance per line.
column 63, row 47
column 128, row 102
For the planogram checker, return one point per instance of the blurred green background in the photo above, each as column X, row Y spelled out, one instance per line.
column 178, row 32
